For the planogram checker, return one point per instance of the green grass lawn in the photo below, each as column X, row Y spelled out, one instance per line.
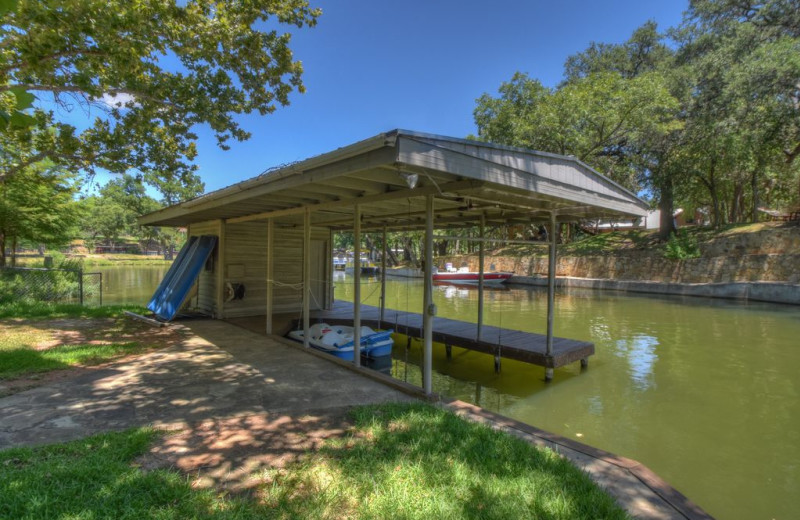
column 95, row 478
column 19, row 356
column 418, row 461
column 43, row 310
column 400, row 461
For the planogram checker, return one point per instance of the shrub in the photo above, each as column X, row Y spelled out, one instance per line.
column 681, row 246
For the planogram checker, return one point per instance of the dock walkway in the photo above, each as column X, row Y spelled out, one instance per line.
column 498, row 342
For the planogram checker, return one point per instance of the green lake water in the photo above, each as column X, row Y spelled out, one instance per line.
column 127, row 284
column 705, row 392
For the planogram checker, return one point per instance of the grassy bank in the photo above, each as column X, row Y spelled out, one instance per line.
column 90, row 261
column 399, row 461
column 37, row 338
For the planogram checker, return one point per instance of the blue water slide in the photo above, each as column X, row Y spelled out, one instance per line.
column 180, row 277
column 171, row 272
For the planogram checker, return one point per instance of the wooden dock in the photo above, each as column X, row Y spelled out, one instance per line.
column 500, row 343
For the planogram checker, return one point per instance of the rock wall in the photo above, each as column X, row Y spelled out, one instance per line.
column 772, row 256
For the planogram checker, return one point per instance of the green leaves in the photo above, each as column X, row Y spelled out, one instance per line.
column 172, row 64
column 7, row 6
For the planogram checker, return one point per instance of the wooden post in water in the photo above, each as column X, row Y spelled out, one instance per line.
column 306, row 277
column 270, row 269
column 357, row 285
column 383, row 273
column 481, row 229
column 429, row 309
column 551, row 293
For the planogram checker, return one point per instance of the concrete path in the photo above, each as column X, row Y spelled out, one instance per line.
column 219, row 371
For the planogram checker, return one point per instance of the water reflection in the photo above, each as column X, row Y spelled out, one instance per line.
column 686, row 385
column 640, row 352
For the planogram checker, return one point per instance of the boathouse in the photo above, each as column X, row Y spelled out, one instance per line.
column 272, row 252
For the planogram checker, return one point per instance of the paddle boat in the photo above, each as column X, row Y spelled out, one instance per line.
column 337, row 340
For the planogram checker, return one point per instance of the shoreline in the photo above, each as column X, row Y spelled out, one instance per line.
column 771, row 292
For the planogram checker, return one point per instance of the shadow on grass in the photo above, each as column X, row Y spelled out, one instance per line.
column 417, row 461
column 94, row 478
column 22, row 361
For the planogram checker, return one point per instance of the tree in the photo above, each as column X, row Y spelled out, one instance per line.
column 147, row 73
column 597, row 118
column 113, row 212
column 37, row 205
column 745, row 111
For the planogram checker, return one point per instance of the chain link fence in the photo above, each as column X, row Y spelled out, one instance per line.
column 50, row 285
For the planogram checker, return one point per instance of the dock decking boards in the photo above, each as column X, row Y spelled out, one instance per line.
column 501, row 343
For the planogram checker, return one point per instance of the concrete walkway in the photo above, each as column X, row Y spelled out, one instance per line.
column 219, row 371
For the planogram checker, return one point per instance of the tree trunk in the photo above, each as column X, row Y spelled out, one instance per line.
column 737, row 209
column 391, row 257
column 756, row 195
column 2, row 249
column 666, row 205
column 410, row 254
column 14, row 251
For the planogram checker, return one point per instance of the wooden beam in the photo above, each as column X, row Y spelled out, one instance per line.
column 357, row 285
column 306, row 277
column 220, row 296
column 270, row 272
column 481, row 230
column 429, row 310
column 390, row 195
column 551, row 293
column 383, row 272
column 272, row 183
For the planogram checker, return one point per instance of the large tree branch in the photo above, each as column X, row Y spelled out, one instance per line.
column 55, row 56
column 41, row 156
column 792, row 154
column 73, row 89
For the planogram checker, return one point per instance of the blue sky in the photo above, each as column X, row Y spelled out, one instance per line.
column 372, row 66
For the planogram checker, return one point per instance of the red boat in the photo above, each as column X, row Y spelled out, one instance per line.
column 492, row 277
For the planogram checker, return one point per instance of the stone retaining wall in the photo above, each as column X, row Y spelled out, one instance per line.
column 720, row 269
column 770, row 255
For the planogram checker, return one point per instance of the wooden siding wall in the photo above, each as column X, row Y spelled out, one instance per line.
column 246, row 263
column 205, row 300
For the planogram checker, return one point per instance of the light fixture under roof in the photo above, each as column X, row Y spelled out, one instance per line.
column 410, row 178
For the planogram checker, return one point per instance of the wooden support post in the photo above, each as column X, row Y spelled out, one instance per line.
column 383, row 274
column 357, row 286
column 551, row 293
column 584, row 362
column 448, row 350
column 270, row 271
column 306, row 277
column 429, row 310
column 481, row 230
column 220, row 296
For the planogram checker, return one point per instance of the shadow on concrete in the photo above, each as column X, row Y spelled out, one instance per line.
column 184, row 384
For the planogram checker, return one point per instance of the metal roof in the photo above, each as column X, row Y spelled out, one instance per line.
column 467, row 178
